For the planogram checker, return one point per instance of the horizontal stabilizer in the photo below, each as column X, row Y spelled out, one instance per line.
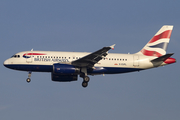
column 162, row 58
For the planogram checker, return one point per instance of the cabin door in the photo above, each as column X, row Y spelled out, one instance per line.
column 135, row 60
column 29, row 57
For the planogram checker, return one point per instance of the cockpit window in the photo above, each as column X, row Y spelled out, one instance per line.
column 15, row 56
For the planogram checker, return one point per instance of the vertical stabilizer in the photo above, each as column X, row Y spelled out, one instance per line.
column 158, row 44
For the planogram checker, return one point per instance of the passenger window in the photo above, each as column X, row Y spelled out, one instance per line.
column 14, row 56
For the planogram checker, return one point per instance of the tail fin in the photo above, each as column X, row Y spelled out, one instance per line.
column 158, row 44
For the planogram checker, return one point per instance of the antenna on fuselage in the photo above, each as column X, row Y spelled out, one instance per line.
column 32, row 49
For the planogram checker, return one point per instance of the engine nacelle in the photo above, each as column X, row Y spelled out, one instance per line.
column 65, row 69
column 63, row 78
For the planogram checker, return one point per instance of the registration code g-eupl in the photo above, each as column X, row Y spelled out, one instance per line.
column 124, row 64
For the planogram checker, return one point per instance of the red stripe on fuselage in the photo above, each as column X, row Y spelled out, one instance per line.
column 34, row 54
column 165, row 34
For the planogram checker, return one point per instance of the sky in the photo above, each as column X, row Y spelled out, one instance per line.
column 86, row 26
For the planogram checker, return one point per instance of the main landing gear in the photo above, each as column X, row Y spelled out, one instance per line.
column 85, row 77
column 85, row 81
column 29, row 77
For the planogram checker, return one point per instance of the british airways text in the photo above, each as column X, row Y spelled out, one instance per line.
column 51, row 60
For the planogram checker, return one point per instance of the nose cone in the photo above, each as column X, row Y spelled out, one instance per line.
column 6, row 63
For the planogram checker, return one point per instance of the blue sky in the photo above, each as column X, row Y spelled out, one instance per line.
column 86, row 26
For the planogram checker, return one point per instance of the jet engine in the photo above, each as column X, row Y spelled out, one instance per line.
column 63, row 78
column 65, row 69
column 64, row 72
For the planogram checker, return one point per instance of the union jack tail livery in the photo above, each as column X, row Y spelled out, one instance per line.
column 158, row 44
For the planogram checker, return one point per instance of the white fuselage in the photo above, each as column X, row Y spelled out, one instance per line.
column 133, row 62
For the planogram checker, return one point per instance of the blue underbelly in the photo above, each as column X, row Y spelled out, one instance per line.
column 49, row 68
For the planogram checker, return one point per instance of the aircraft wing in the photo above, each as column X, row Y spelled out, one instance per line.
column 93, row 58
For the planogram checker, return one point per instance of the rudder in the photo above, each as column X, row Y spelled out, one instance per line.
column 158, row 44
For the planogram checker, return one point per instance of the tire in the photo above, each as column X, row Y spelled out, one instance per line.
column 84, row 84
column 28, row 80
column 86, row 79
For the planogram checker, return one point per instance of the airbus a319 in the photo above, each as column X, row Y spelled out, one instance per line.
column 67, row 66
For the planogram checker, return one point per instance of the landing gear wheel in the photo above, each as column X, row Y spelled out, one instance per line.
column 84, row 84
column 28, row 80
column 86, row 79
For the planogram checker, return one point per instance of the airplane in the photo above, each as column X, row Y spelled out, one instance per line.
column 67, row 66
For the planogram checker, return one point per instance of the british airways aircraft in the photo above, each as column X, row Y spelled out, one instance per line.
column 66, row 66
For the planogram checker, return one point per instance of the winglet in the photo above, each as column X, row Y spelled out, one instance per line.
column 112, row 46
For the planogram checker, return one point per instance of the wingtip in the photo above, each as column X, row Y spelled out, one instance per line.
column 112, row 46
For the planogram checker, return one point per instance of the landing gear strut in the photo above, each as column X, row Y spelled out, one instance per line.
column 85, row 77
column 29, row 77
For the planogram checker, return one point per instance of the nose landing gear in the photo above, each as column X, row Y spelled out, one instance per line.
column 29, row 77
